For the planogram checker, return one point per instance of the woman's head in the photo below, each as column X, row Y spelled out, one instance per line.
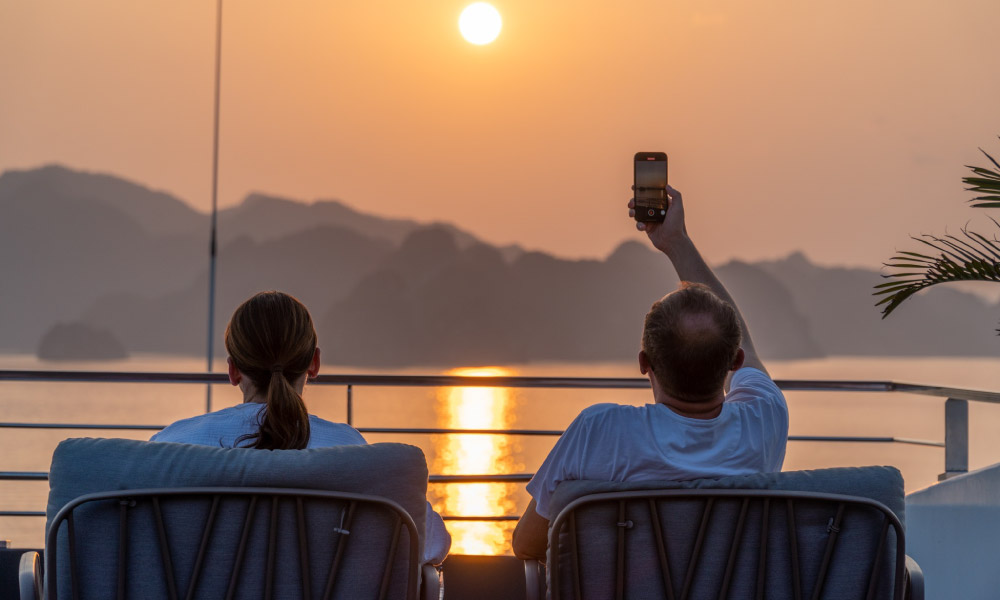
column 272, row 342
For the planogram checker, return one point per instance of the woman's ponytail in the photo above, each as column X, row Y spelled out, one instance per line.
column 285, row 423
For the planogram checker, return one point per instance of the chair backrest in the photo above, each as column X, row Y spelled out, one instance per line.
column 737, row 537
column 160, row 520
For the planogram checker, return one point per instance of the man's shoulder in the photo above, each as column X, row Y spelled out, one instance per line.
column 749, row 378
column 603, row 407
column 754, row 392
column 604, row 410
column 608, row 415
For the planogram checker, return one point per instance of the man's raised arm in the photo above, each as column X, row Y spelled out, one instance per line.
column 671, row 238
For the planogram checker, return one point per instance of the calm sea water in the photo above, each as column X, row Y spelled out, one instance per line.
column 812, row 413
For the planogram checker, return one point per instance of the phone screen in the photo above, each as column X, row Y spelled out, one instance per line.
column 650, row 186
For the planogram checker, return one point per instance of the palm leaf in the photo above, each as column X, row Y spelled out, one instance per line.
column 986, row 183
column 995, row 163
column 971, row 257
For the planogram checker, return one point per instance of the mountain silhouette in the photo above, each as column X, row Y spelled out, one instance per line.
column 317, row 265
column 434, row 303
column 119, row 261
column 75, row 341
column 262, row 217
column 62, row 246
column 780, row 326
column 71, row 241
column 157, row 213
column 839, row 301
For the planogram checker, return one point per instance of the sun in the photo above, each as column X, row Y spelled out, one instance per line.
column 480, row 23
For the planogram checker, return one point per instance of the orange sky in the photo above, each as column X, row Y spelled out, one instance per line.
column 836, row 128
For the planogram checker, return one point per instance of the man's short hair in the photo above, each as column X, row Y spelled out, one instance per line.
column 691, row 338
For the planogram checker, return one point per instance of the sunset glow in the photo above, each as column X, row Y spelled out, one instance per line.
column 315, row 95
column 477, row 454
column 446, row 187
column 480, row 23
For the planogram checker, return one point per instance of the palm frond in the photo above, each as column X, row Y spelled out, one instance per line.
column 986, row 182
column 970, row 257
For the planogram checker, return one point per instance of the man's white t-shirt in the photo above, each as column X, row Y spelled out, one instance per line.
column 614, row 442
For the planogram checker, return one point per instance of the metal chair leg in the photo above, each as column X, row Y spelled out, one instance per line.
column 29, row 576
column 534, row 580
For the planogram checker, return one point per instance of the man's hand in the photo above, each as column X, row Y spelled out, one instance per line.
column 666, row 235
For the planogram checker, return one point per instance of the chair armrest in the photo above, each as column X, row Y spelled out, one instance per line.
column 914, row 581
column 431, row 582
column 29, row 576
column 534, row 580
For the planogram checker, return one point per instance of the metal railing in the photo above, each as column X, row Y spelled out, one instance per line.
column 956, row 412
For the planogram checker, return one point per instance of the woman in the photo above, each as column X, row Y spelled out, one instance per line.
column 272, row 350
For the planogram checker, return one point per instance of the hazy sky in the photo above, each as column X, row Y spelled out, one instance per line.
column 837, row 128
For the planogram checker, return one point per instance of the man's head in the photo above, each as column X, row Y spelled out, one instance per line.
column 691, row 340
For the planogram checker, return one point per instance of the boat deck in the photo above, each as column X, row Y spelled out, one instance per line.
column 481, row 577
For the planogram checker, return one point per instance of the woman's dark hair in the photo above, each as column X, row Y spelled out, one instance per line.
column 271, row 340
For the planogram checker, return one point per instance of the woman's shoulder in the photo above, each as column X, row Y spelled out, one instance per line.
column 214, row 424
column 238, row 412
column 328, row 433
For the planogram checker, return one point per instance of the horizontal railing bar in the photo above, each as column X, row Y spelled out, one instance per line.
column 437, row 430
column 485, row 478
column 357, row 380
column 38, row 513
column 24, row 475
column 508, row 382
column 556, row 432
column 80, row 426
column 808, row 385
column 500, row 518
column 947, row 392
column 916, row 442
column 112, row 377
column 470, row 381
column 823, row 385
column 524, row 477
column 446, row 431
column 882, row 440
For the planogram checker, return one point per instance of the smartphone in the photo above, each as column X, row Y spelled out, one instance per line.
column 650, row 186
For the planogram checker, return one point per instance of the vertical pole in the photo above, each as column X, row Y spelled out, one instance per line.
column 213, row 246
column 350, row 405
column 956, row 438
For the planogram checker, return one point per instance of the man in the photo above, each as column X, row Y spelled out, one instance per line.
column 695, row 345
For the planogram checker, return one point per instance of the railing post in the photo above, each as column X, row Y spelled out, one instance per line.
column 350, row 405
column 956, row 438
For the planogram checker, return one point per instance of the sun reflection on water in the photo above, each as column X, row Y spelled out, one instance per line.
column 476, row 454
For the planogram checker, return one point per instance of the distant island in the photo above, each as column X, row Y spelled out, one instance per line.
column 126, row 268
column 79, row 341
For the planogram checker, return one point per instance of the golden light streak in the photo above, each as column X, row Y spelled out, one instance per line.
column 476, row 454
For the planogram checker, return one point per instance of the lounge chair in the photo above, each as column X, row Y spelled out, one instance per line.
column 729, row 538
column 161, row 520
